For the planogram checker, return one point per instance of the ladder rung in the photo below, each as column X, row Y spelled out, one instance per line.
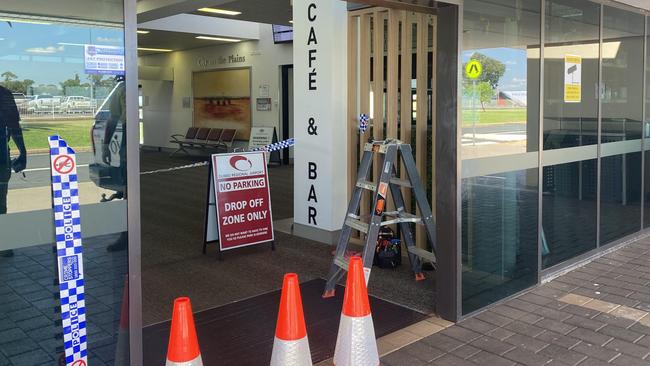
column 367, row 185
column 401, row 216
column 422, row 253
column 357, row 224
column 341, row 262
column 401, row 182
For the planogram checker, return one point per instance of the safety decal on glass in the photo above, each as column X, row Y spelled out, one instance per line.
column 69, row 250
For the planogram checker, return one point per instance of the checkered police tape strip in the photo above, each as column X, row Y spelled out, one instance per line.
column 65, row 197
column 276, row 146
column 269, row 148
column 188, row 166
column 364, row 122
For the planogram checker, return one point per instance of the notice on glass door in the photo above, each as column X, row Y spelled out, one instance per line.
column 572, row 79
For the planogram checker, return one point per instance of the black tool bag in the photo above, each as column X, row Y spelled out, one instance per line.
column 388, row 250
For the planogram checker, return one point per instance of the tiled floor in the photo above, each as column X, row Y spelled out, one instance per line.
column 598, row 314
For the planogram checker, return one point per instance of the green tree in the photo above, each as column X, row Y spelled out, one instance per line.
column 493, row 69
column 9, row 76
column 485, row 93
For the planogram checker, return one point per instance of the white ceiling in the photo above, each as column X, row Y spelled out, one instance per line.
column 174, row 24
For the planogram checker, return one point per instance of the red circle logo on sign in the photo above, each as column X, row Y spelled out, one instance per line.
column 63, row 164
column 79, row 363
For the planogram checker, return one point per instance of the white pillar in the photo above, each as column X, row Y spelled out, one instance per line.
column 320, row 102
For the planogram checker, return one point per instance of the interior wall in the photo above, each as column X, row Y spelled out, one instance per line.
column 164, row 114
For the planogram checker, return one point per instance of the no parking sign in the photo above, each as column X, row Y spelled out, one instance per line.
column 243, row 200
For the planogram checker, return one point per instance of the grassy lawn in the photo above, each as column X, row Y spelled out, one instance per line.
column 75, row 132
column 493, row 116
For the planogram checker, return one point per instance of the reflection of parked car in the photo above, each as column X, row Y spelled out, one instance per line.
column 44, row 103
column 20, row 99
column 77, row 104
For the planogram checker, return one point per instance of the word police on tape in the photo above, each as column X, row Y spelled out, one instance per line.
column 69, row 251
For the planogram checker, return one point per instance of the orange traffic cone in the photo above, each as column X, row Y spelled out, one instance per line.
column 290, row 346
column 183, row 347
column 356, row 344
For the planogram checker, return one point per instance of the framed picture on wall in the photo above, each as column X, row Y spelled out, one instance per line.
column 222, row 99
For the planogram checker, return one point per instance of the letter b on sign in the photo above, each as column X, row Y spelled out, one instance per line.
column 312, row 170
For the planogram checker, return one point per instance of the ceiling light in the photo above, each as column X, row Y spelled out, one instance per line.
column 143, row 32
column 27, row 21
column 291, row 21
column 154, row 49
column 219, row 11
column 218, row 39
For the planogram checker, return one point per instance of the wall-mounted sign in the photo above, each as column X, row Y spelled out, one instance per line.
column 243, row 199
column 263, row 104
column 103, row 60
column 572, row 79
column 220, row 60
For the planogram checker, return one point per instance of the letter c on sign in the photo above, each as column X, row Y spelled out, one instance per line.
column 310, row 16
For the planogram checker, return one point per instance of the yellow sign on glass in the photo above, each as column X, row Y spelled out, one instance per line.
column 572, row 79
column 473, row 69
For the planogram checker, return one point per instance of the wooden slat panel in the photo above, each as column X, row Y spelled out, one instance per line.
column 378, row 75
column 353, row 60
column 405, row 92
column 422, row 109
column 378, row 83
column 392, row 71
column 364, row 91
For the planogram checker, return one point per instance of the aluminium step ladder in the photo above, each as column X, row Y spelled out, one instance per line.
column 390, row 150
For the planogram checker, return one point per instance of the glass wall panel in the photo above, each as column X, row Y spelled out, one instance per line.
column 568, row 210
column 570, row 176
column 646, row 135
column 622, row 113
column 500, row 106
column 571, row 31
column 50, row 86
column 500, row 124
column 499, row 244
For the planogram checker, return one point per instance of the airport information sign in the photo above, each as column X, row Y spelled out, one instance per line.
column 69, row 251
column 243, row 199
column 103, row 60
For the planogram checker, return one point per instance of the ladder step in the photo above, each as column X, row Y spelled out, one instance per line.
column 367, row 185
column 357, row 224
column 341, row 262
column 401, row 182
column 422, row 253
column 401, row 217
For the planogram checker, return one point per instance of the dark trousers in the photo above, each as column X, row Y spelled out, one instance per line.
column 5, row 174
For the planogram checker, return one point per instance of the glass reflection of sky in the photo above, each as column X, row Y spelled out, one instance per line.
column 515, row 59
column 51, row 53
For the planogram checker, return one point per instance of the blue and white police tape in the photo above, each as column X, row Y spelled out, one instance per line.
column 364, row 121
column 276, row 146
column 69, row 250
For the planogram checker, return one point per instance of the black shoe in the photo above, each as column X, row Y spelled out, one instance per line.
column 7, row 253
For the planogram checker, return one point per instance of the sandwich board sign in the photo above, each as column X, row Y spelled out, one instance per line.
column 239, row 201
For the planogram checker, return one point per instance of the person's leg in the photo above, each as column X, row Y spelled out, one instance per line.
column 5, row 174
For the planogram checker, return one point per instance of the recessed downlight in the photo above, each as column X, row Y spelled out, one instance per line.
column 219, row 11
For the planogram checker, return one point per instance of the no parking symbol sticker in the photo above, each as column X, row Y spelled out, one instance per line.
column 63, row 164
